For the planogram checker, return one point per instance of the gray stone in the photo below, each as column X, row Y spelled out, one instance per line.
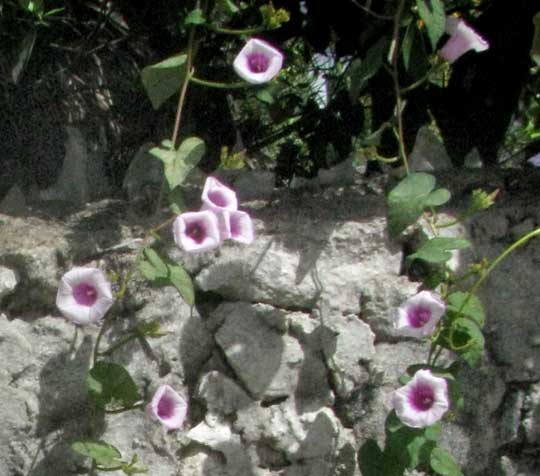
column 82, row 177
column 531, row 419
column 218, row 436
column 143, row 179
column 285, row 272
column 266, row 362
column 32, row 248
column 429, row 153
column 380, row 298
column 254, row 185
column 14, row 203
column 8, row 281
column 347, row 342
column 221, row 395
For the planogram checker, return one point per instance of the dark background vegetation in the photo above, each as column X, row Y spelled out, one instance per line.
column 81, row 66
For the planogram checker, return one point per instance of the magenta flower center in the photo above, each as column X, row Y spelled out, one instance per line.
column 217, row 198
column 196, row 232
column 165, row 408
column 418, row 316
column 257, row 62
column 421, row 397
column 85, row 294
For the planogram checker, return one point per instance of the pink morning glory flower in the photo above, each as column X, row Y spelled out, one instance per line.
column 462, row 39
column 419, row 315
column 241, row 227
column 84, row 295
column 168, row 407
column 423, row 401
column 258, row 62
column 197, row 231
column 218, row 197
column 235, row 225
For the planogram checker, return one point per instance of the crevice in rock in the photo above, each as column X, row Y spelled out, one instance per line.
column 265, row 403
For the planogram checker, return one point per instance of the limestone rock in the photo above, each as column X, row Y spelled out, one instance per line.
column 32, row 248
column 266, row 362
column 347, row 342
column 221, row 394
column 8, row 281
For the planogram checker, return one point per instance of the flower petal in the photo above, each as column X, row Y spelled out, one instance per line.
column 258, row 62
column 422, row 401
column 84, row 311
column 241, row 227
column 419, row 315
column 217, row 196
column 168, row 407
column 463, row 38
column 197, row 231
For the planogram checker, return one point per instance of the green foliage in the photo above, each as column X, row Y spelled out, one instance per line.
column 468, row 305
column 466, row 339
column 106, row 457
column 101, row 452
column 195, row 17
column 179, row 163
column 407, row 201
column 371, row 459
column 35, row 7
column 165, row 273
column 108, row 383
column 437, row 250
column 162, row 80
column 433, row 15
column 272, row 18
column 444, row 464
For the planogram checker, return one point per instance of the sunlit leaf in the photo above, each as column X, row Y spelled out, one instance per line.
column 437, row 250
column 407, row 201
column 468, row 305
column 163, row 79
column 443, row 463
column 108, row 382
column 101, row 452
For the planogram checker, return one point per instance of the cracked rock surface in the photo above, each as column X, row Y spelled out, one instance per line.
column 288, row 356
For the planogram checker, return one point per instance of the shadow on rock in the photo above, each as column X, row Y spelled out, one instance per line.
column 64, row 411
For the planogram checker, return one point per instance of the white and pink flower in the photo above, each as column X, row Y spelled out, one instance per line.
column 258, row 62
column 218, row 197
column 197, row 231
column 168, row 407
column 84, row 295
column 419, row 315
column 423, row 401
column 462, row 39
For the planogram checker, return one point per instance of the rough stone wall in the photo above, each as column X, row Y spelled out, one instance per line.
column 288, row 356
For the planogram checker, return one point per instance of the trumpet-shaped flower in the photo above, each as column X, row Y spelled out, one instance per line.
column 241, row 227
column 218, row 197
column 258, row 62
column 84, row 295
column 419, row 315
column 423, row 401
column 197, row 231
column 168, row 407
column 462, row 39
column 235, row 225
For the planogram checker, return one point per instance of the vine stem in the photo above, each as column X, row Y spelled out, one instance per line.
column 520, row 242
column 393, row 57
column 496, row 261
column 218, row 85
column 183, row 89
